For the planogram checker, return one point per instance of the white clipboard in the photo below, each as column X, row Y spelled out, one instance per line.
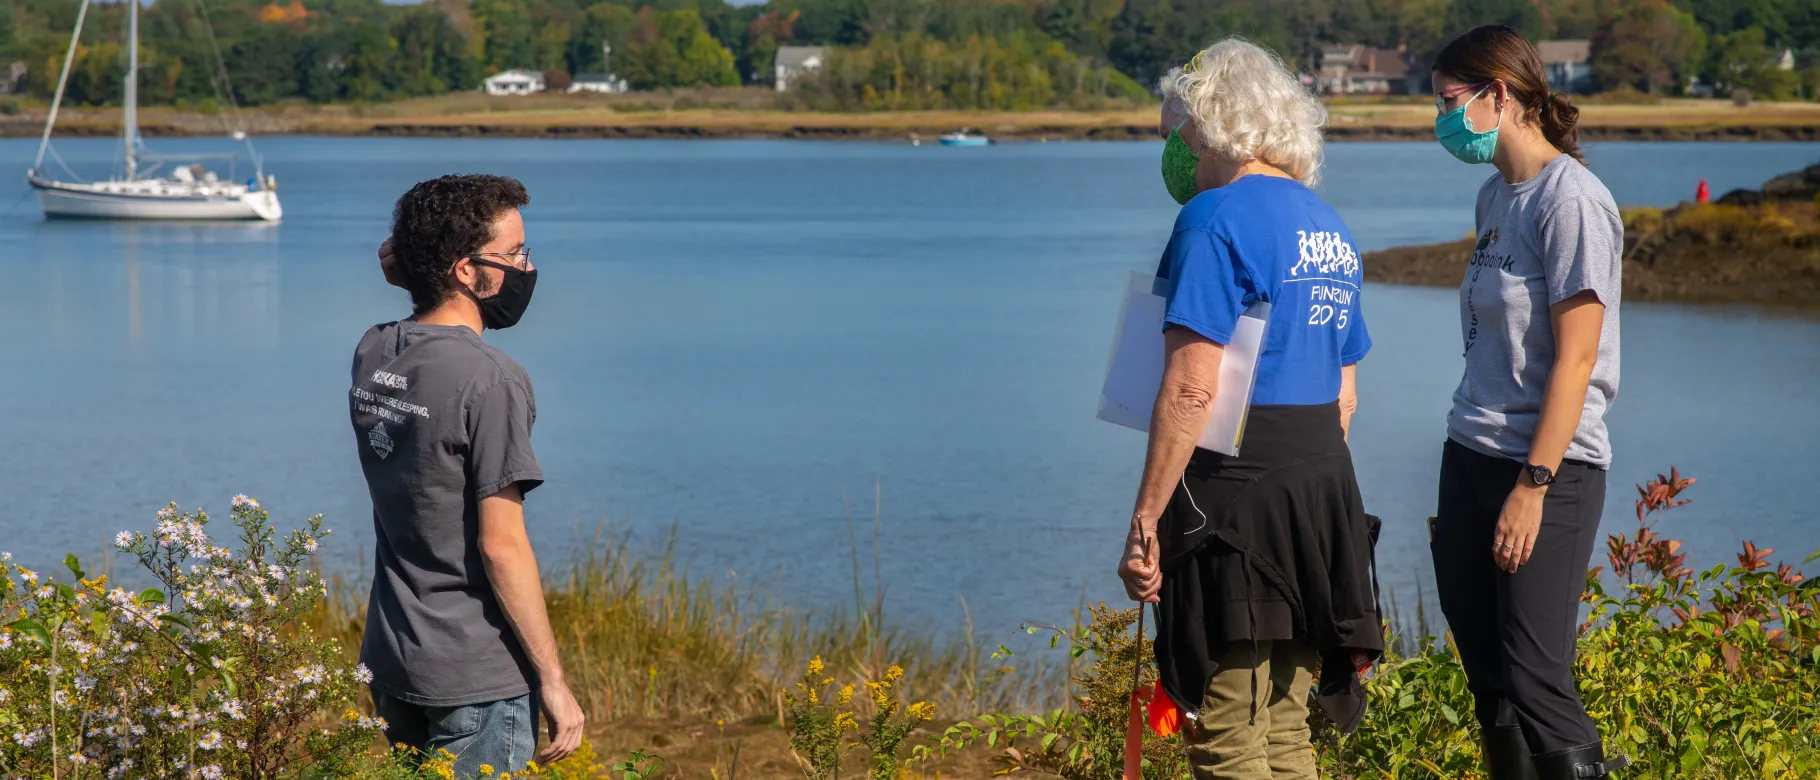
column 1134, row 371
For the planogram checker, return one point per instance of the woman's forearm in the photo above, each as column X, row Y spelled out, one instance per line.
column 1183, row 404
column 1349, row 398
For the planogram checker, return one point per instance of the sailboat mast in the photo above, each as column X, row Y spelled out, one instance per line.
column 50, row 120
column 132, row 91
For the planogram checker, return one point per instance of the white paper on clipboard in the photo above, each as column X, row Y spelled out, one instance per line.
column 1135, row 368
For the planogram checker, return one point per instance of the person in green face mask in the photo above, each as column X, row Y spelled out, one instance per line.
column 1522, row 475
column 1257, row 582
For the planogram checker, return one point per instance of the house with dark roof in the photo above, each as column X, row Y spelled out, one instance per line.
column 1353, row 69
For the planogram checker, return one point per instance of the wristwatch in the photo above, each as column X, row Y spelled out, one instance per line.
column 1539, row 475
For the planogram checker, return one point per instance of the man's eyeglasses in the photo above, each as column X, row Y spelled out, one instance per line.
column 518, row 260
column 1444, row 97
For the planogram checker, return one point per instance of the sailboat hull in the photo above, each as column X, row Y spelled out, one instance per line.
column 100, row 201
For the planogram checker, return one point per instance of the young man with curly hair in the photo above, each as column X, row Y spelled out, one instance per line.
column 459, row 644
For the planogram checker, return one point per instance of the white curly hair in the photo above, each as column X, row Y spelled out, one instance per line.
column 1247, row 105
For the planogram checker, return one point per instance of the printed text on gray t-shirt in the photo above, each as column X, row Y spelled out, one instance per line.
column 1540, row 242
column 441, row 420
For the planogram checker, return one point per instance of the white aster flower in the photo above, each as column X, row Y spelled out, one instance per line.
column 123, row 540
column 210, row 742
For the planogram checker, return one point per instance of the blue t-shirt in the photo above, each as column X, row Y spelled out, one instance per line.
column 1270, row 238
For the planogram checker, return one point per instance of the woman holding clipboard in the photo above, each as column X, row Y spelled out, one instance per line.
column 1259, row 563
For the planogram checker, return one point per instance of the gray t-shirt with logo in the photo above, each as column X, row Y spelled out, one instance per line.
column 442, row 420
column 1540, row 242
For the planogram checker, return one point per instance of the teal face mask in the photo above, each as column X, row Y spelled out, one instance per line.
column 1179, row 164
column 1456, row 135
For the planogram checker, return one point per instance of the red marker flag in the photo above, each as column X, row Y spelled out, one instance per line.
column 1701, row 195
column 1165, row 718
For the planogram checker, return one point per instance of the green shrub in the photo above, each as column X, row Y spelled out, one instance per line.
column 1086, row 740
column 818, row 723
column 206, row 676
column 1709, row 676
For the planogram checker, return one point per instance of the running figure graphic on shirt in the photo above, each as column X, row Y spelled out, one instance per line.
column 1330, row 263
column 1325, row 253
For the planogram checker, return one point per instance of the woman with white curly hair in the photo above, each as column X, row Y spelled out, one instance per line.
column 1259, row 563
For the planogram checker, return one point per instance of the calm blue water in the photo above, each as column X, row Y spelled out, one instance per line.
column 742, row 337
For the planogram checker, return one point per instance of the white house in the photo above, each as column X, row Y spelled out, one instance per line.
column 516, row 81
column 1568, row 64
column 598, row 82
column 793, row 61
column 603, row 81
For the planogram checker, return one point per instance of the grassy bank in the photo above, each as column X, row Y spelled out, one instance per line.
column 738, row 113
column 1765, row 255
column 244, row 658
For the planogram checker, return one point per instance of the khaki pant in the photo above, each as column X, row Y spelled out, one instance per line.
column 1225, row 745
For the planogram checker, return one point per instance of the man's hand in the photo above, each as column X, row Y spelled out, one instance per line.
column 1139, row 568
column 1518, row 526
column 388, row 264
column 565, row 720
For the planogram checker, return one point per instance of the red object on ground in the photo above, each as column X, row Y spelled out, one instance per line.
column 1700, row 193
column 1165, row 718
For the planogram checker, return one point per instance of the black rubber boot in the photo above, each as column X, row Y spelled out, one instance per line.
column 1506, row 754
column 1584, row 762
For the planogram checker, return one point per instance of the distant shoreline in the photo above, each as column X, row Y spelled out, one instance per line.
column 1766, row 255
column 476, row 116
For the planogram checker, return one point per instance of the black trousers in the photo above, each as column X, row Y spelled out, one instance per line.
column 1516, row 632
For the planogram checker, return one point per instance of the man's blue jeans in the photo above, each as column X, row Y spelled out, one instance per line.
column 501, row 734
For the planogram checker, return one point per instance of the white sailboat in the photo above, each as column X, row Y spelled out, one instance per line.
column 141, row 191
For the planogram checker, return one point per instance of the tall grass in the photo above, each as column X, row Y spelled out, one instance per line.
column 642, row 637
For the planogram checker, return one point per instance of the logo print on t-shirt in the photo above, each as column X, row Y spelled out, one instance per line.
column 1325, row 253
column 380, row 441
column 1490, row 237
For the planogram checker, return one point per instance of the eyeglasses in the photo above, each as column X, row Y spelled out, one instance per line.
column 1442, row 98
column 518, row 260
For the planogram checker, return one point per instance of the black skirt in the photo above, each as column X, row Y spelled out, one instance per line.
column 1271, row 544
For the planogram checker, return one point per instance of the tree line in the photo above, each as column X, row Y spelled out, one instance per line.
column 885, row 54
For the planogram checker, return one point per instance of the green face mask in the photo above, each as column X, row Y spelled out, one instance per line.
column 1179, row 164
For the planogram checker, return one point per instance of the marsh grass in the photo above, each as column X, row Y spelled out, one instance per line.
column 642, row 637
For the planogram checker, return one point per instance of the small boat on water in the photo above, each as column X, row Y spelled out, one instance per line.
column 965, row 137
column 139, row 191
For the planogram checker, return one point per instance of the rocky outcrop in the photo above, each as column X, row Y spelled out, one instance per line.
column 1795, row 185
column 1758, row 247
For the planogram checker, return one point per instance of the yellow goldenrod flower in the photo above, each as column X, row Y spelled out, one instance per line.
column 846, row 695
column 815, row 667
column 813, row 699
column 892, row 674
column 486, row 770
column 922, row 710
column 845, row 722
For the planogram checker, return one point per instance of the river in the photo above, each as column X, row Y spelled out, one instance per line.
column 744, row 338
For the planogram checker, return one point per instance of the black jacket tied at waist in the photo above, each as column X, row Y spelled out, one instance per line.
column 1272, row 544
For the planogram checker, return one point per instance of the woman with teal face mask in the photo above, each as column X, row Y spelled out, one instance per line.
column 1259, row 563
column 1523, row 468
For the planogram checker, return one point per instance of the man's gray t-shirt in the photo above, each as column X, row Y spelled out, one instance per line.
column 1540, row 242
column 442, row 420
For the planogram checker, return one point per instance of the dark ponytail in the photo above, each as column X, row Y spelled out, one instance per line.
column 1561, row 124
column 1498, row 53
